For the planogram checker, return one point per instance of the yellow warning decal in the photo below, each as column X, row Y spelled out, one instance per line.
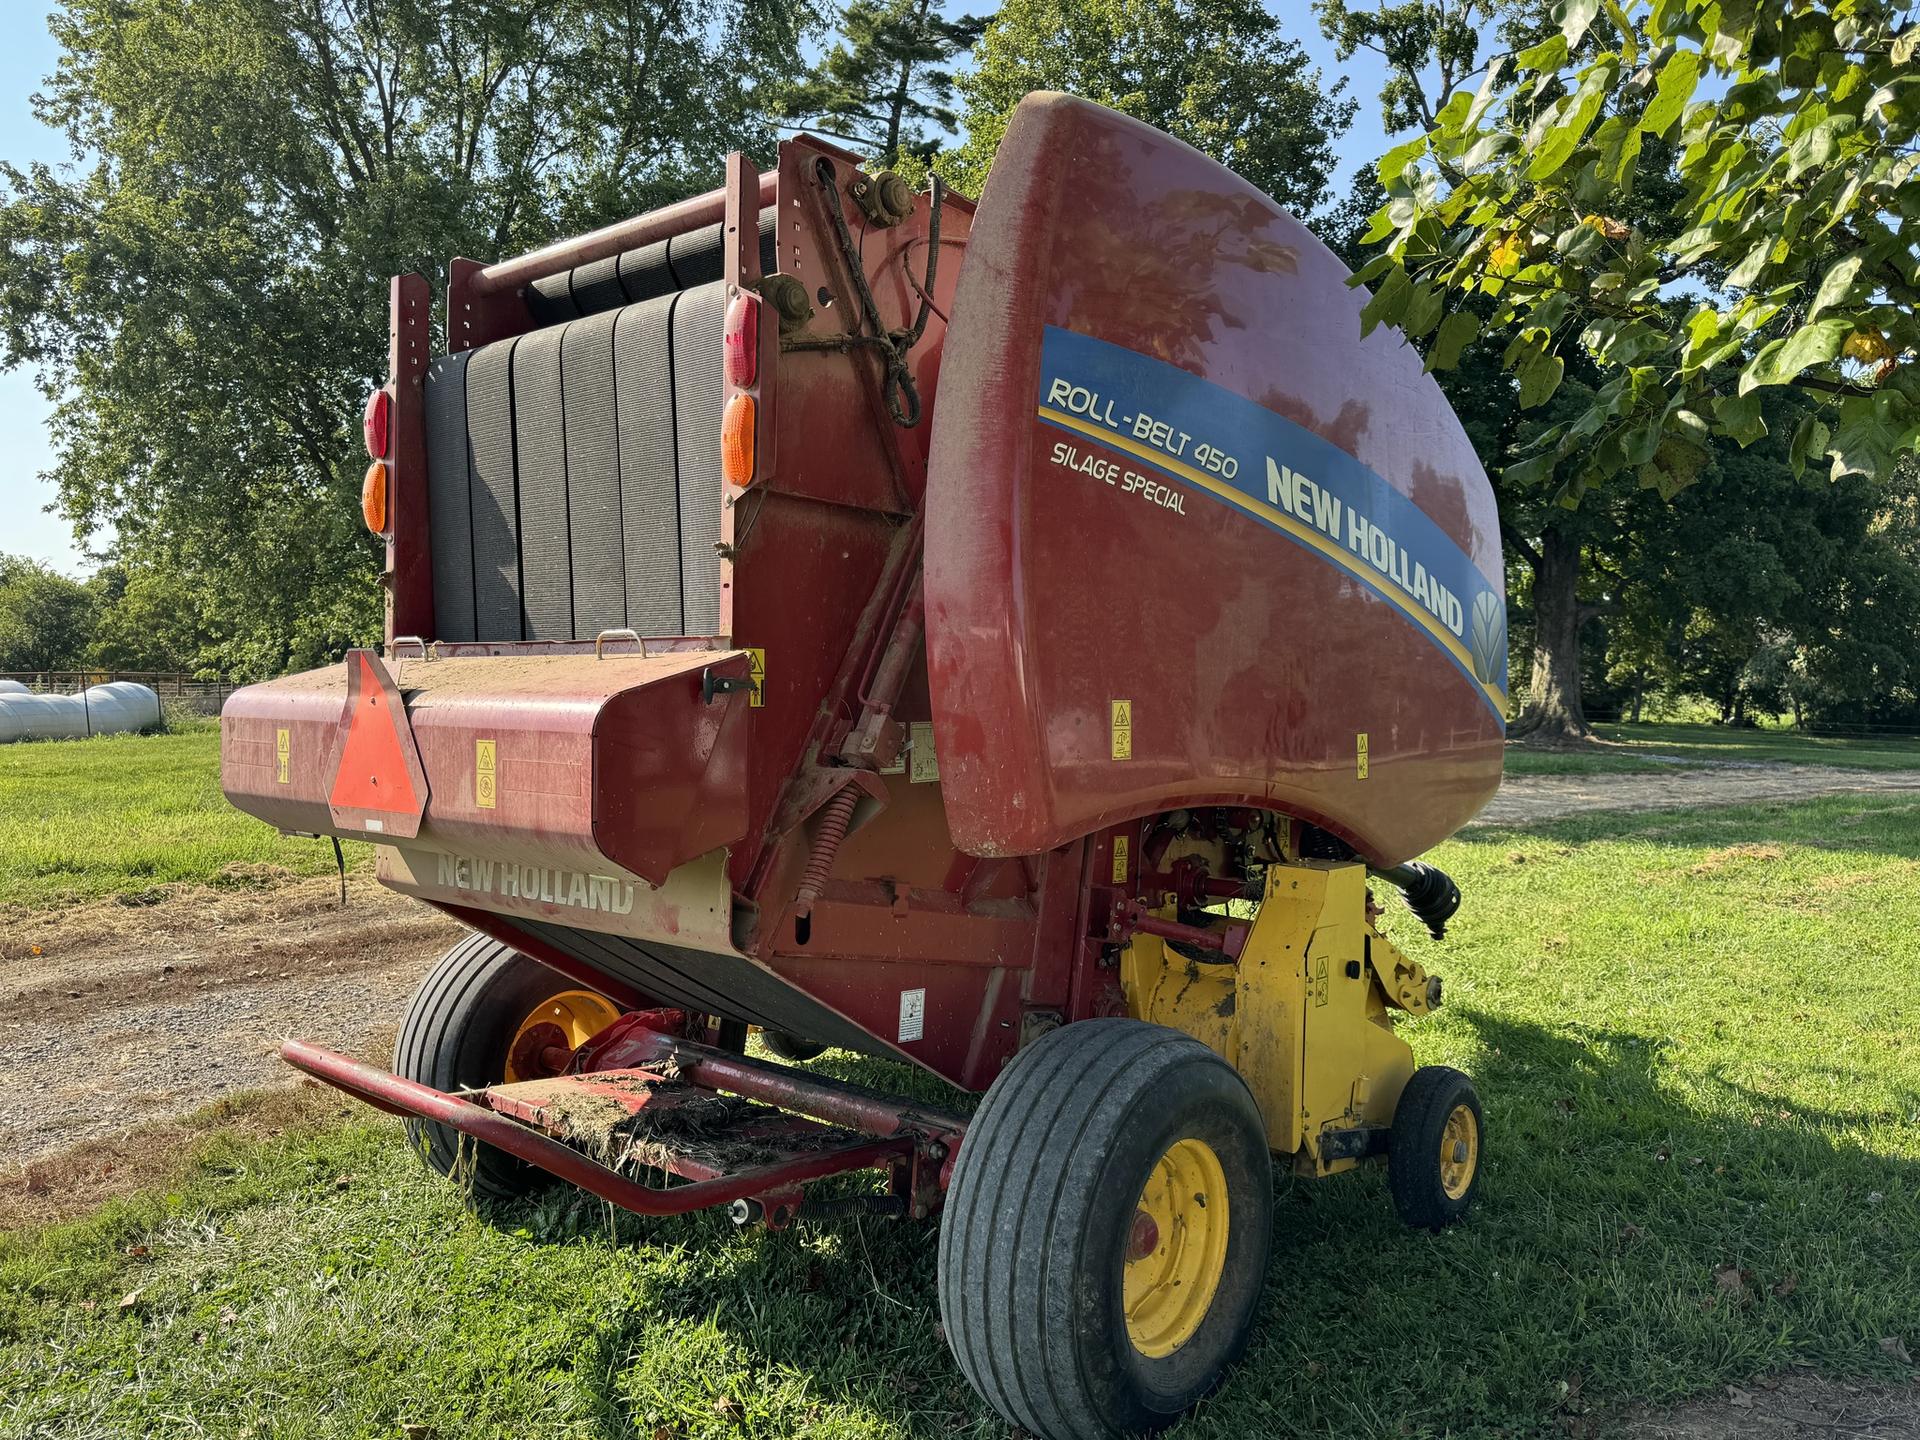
column 1121, row 848
column 757, row 672
column 1320, row 980
column 283, row 753
column 1122, row 729
column 484, row 790
column 1360, row 756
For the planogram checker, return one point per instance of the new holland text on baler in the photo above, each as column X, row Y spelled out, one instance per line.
column 1002, row 639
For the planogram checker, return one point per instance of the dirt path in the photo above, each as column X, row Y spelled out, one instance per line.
column 1529, row 799
column 1780, row 1407
column 111, row 1015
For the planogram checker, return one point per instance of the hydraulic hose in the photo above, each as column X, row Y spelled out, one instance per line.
column 1428, row 890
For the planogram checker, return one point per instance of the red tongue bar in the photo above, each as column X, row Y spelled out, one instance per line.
column 378, row 784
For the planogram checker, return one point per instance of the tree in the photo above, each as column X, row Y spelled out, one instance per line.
column 45, row 618
column 202, row 291
column 1221, row 77
column 889, row 74
column 145, row 621
column 1784, row 257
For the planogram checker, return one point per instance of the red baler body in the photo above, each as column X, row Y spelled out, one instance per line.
column 594, row 786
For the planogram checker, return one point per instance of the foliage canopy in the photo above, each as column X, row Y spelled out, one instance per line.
column 1788, row 257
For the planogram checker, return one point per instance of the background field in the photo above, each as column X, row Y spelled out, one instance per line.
column 1647, row 748
column 1695, row 1033
column 122, row 815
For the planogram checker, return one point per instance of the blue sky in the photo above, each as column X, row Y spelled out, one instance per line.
column 27, row 55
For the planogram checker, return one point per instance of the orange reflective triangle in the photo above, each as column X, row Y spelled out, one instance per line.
column 373, row 773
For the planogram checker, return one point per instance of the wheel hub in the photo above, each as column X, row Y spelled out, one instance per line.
column 1176, row 1248
column 546, row 1038
column 1459, row 1151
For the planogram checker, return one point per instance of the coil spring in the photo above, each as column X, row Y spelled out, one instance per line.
column 834, row 818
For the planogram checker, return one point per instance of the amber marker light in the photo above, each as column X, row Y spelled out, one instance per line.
column 736, row 441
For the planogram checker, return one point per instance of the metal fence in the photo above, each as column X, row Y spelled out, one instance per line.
column 204, row 697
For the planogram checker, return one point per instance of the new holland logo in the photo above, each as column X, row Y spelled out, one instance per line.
column 1487, row 638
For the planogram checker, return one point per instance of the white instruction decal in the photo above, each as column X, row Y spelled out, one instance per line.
column 913, row 1015
column 923, row 766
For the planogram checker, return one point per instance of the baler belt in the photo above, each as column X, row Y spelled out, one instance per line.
column 494, row 498
column 449, row 502
column 649, row 465
column 698, row 397
column 540, row 459
column 593, row 475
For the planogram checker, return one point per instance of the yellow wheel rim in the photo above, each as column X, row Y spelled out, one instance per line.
column 1459, row 1152
column 1176, row 1249
column 576, row 1014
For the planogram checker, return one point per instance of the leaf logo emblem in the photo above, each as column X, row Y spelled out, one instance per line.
column 1487, row 638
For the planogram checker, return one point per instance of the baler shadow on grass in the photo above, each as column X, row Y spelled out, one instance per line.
column 1692, row 1031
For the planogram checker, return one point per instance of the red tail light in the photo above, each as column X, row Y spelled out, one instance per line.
column 743, row 341
column 376, row 422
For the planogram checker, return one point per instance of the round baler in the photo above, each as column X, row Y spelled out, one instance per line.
column 1017, row 640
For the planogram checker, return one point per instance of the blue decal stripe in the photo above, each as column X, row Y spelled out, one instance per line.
column 1305, row 535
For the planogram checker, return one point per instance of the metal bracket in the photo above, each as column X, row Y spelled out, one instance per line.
column 713, row 686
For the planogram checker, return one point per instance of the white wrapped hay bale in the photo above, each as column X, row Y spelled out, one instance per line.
column 113, row 709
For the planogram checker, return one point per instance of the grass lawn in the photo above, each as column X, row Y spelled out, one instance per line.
column 1698, row 1040
column 1632, row 749
column 122, row 814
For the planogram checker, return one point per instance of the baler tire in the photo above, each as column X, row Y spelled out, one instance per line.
column 1436, row 1097
column 455, row 1036
column 1043, row 1205
column 790, row 1047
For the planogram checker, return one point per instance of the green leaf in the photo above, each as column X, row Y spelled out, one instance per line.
column 1678, row 78
column 1387, row 303
column 1819, row 145
column 1536, row 470
column 1539, row 378
column 1863, row 443
column 1748, row 270
column 1810, row 438
column 1421, row 313
column 1456, row 332
column 1395, row 161
column 1780, row 362
column 1574, row 17
column 1548, row 56
column 1371, row 271
column 1691, row 426
column 1906, row 45
column 1740, row 418
column 1574, row 116
column 1836, row 284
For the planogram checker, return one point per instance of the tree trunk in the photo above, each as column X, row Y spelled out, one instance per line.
column 1553, row 710
column 1639, row 693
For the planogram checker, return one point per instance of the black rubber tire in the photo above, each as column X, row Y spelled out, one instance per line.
column 1037, row 1216
column 458, row 1028
column 790, row 1047
column 1413, row 1153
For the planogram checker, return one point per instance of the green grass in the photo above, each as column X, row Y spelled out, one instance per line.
column 121, row 815
column 1697, row 1035
column 1645, row 749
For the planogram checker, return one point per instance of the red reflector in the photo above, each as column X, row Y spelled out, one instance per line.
column 743, row 340
column 376, row 423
